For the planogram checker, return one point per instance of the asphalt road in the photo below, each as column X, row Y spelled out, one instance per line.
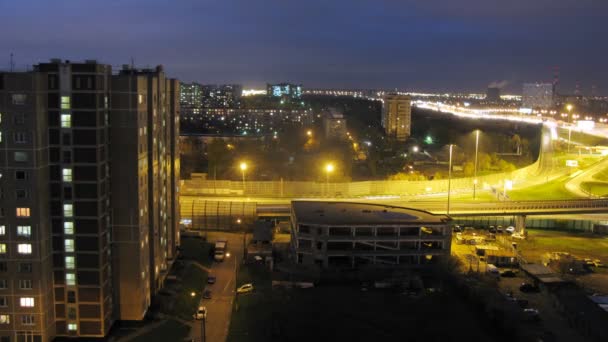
column 219, row 307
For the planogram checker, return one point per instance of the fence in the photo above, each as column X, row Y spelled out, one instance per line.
column 218, row 215
column 202, row 187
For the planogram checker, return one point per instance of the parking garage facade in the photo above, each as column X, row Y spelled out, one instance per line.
column 356, row 235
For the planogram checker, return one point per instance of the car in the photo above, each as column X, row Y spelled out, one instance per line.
column 492, row 229
column 201, row 313
column 207, row 294
column 532, row 314
column 527, row 287
column 508, row 274
column 499, row 230
column 245, row 288
column 510, row 229
column 211, row 279
column 456, row 229
column 518, row 236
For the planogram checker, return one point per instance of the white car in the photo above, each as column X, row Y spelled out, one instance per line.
column 201, row 313
column 510, row 229
column 245, row 288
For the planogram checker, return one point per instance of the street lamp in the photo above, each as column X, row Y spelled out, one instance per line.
column 309, row 133
column 476, row 152
column 415, row 149
column 569, row 108
column 243, row 167
column 449, row 178
column 329, row 168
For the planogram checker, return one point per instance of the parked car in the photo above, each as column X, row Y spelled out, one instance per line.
column 207, row 294
column 518, row 236
column 508, row 274
column 201, row 313
column 510, row 229
column 527, row 287
column 211, row 279
column 245, row 288
column 499, row 230
column 492, row 229
column 532, row 314
column 457, row 229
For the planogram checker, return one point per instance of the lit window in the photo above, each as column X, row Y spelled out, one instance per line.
column 5, row 319
column 2, row 230
column 69, row 245
column 70, row 279
column 66, row 120
column 2, row 248
column 140, row 99
column 20, row 157
column 72, row 326
column 24, row 248
column 23, row 212
column 67, row 175
column 69, row 262
column 65, row 102
column 19, row 99
column 68, row 228
column 24, row 231
column 68, row 210
column 26, row 302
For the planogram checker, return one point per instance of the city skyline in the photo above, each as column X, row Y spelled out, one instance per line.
column 324, row 45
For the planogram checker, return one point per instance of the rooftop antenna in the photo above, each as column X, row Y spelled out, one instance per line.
column 12, row 63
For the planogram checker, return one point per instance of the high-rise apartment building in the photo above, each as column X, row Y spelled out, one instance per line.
column 397, row 116
column 65, row 225
column 221, row 96
column 537, row 95
column 191, row 98
column 285, row 90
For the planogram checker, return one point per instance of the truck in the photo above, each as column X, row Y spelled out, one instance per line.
column 220, row 250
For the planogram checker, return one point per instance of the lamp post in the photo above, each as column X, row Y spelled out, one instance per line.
column 449, row 178
column 569, row 108
column 476, row 152
column 243, row 167
column 329, row 168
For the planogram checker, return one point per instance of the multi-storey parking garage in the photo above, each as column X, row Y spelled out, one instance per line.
column 350, row 235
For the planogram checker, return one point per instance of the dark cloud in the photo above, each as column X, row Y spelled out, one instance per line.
column 427, row 45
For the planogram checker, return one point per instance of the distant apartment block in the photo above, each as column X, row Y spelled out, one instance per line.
column 537, row 95
column 493, row 94
column 221, row 96
column 354, row 235
column 334, row 124
column 82, row 226
column 287, row 90
column 397, row 116
column 191, row 98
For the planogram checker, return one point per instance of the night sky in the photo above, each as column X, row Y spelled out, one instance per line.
column 424, row 45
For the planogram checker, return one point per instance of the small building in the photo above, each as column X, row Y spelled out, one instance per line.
column 334, row 124
column 351, row 235
column 261, row 241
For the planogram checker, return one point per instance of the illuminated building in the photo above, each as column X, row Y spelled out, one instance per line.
column 191, row 98
column 397, row 116
column 62, row 227
column 284, row 90
column 537, row 95
column 355, row 235
column 221, row 96
column 334, row 124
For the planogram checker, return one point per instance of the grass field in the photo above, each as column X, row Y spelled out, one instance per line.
column 583, row 245
column 554, row 190
column 601, row 176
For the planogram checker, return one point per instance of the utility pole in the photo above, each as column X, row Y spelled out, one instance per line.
column 450, row 178
column 476, row 152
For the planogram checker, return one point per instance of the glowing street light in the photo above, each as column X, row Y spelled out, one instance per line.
column 243, row 167
column 329, row 168
column 415, row 149
column 476, row 152
column 309, row 133
column 192, row 294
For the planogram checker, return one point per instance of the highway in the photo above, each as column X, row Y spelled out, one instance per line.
column 574, row 185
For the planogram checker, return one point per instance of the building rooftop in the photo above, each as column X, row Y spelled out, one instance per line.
column 352, row 213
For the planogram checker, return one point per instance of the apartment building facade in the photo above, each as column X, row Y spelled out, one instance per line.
column 397, row 116
column 82, row 173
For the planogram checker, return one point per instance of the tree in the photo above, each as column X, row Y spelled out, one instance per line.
column 516, row 143
column 505, row 166
column 484, row 161
column 218, row 157
column 469, row 169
